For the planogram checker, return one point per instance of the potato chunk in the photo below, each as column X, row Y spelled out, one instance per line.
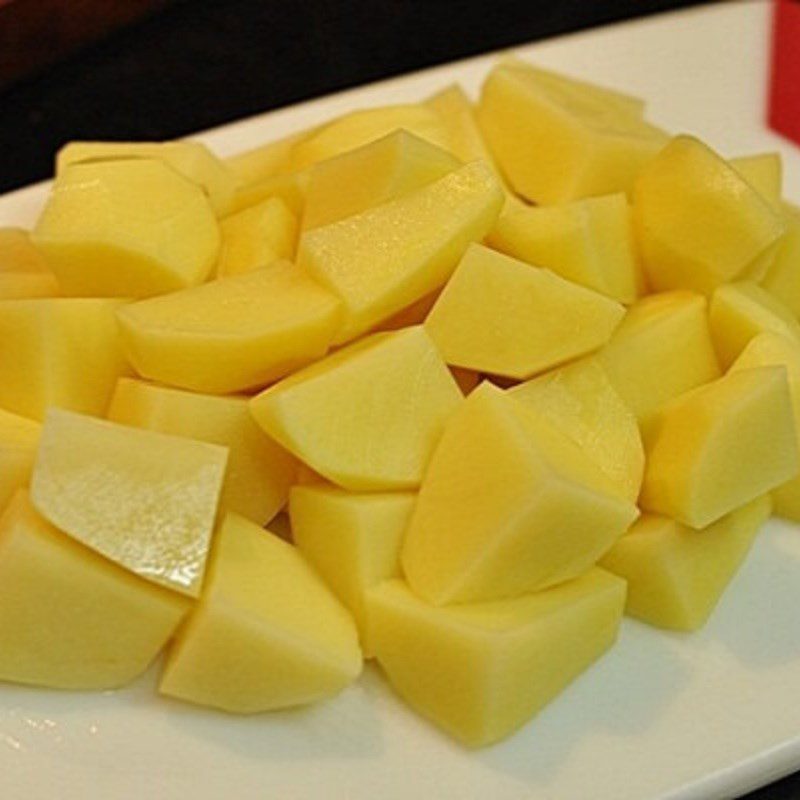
column 231, row 334
column 267, row 633
column 556, row 141
column 764, row 172
column 142, row 499
column 783, row 276
column 386, row 258
column 260, row 472
column 767, row 350
column 580, row 401
column 505, row 317
column 368, row 416
column 662, row 349
column 739, row 312
column 480, row 671
column 193, row 160
column 63, row 352
column 70, row 619
column 588, row 241
column 699, row 222
column 509, row 505
column 676, row 575
column 719, row 446
column 130, row 228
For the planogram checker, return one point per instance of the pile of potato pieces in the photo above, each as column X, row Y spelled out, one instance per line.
column 513, row 370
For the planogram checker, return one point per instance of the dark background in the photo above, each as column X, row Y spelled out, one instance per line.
column 195, row 64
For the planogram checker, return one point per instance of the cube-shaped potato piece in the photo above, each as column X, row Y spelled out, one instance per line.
column 699, row 223
column 367, row 125
column 368, row 416
column 267, row 633
column 264, row 161
column 783, row 276
column 720, row 446
column 193, row 160
column 740, row 311
column 766, row 350
column 661, row 349
column 231, row 334
column 64, row 352
column 19, row 438
column 386, row 258
column 555, row 141
column 580, row 401
column 378, row 172
column 509, row 505
column 589, row 242
column 130, row 228
column 23, row 270
column 502, row 316
column 260, row 472
column 676, row 575
column 70, row 619
column 352, row 539
column 142, row 499
column 480, row 671
column 764, row 172
column 256, row 237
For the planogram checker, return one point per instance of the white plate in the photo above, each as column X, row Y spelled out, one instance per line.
column 662, row 716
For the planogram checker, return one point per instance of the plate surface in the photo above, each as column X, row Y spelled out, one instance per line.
column 661, row 716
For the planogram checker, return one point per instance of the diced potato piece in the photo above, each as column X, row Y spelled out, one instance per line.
column 231, row 334
column 581, row 403
column 361, row 127
column 290, row 187
column 368, row 416
column 509, row 505
column 467, row 379
column 142, row 499
column 720, row 446
column 699, row 222
column 70, row 619
column 61, row 352
column 193, row 160
column 783, row 277
column 767, row 350
column 676, row 575
column 386, row 258
column 23, row 270
column 481, row 671
column 764, row 172
column 19, row 438
column 353, row 540
column 466, row 140
column 131, row 228
column 503, row 316
column 740, row 311
column 662, row 349
column 555, row 141
column 256, row 237
column 266, row 161
column 415, row 314
column 260, row 472
column 373, row 174
column 267, row 633
column 588, row 241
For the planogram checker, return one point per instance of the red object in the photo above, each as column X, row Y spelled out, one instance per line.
column 784, row 93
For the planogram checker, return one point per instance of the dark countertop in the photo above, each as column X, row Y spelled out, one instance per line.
column 199, row 64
